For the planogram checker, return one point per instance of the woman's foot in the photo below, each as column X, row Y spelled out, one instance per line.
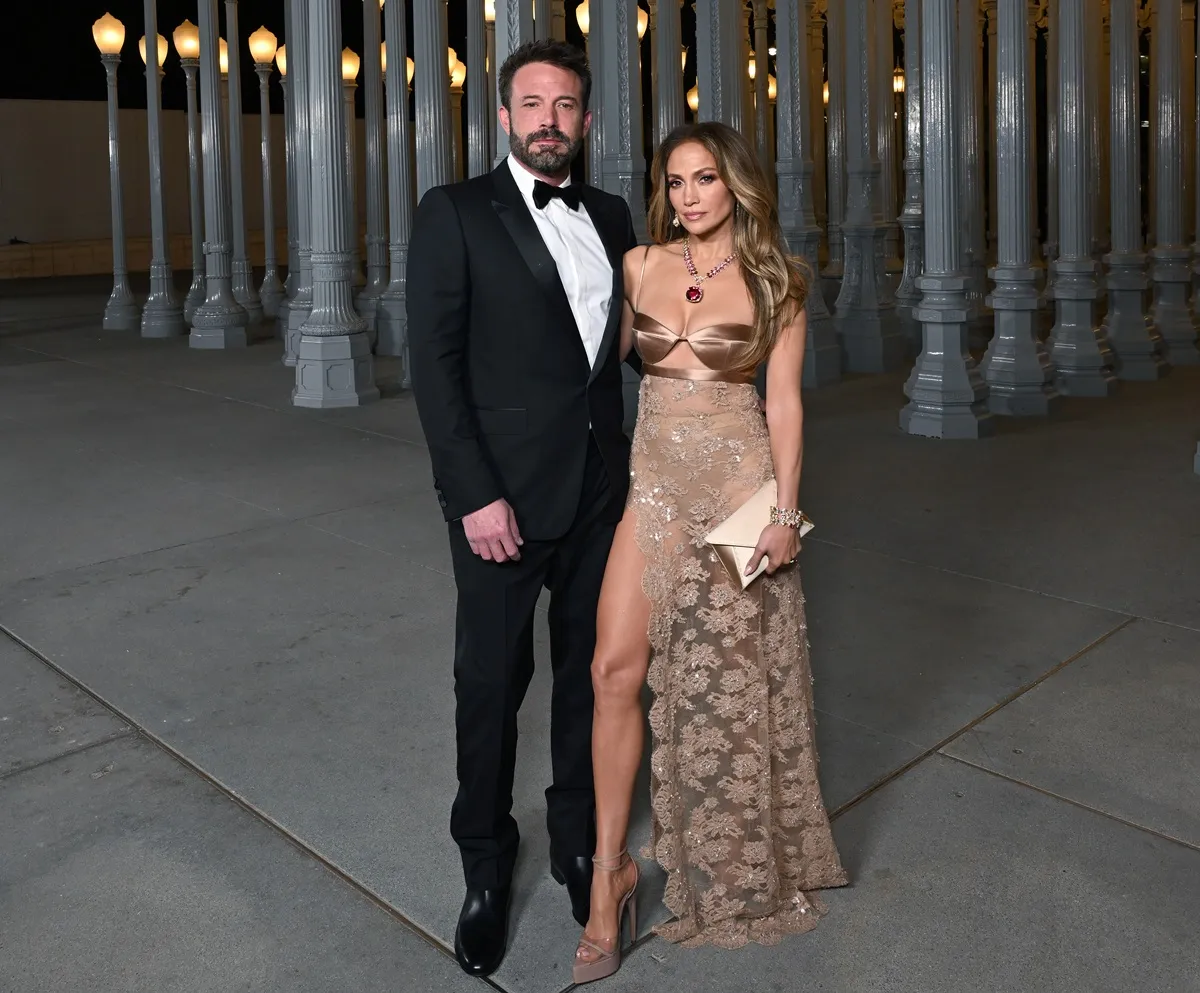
column 613, row 890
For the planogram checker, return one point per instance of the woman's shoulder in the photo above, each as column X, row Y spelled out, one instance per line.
column 648, row 254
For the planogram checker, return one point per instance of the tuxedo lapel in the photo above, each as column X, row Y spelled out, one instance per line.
column 513, row 212
column 611, row 238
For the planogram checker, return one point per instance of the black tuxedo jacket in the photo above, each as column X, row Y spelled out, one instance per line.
column 501, row 378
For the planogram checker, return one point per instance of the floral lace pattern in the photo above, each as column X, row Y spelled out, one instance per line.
column 739, row 822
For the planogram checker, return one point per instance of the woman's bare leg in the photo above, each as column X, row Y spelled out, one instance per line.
column 618, row 675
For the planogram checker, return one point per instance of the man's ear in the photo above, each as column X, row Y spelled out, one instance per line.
column 505, row 120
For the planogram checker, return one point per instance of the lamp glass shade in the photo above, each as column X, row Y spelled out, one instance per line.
column 643, row 23
column 771, row 87
column 683, row 60
column 383, row 56
column 489, row 11
column 897, row 80
column 109, row 35
column 162, row 49
column 453, row 59
column 583, row 17
column 187, row 40
column 263, row 45
column 751, row 68
column 412, row 68
column 223, row 57
column 458, row 75
column 281, row 59
column 693, row 98
column 350, row 64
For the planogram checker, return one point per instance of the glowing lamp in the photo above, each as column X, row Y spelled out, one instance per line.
column 109, row 34
column 281, row 59
column 583, row 17
column 223, row 57
column 693, row 99
column 162, row 49
column 263, row 45
column 350, row 64
column 187, row 40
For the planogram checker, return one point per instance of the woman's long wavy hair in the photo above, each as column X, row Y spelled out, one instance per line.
column 775, row 278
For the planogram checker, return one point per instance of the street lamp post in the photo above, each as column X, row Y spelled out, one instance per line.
column 243, row 290
column 291, row 284
column 122, row 312
column 162, row 316
column 262, row 48
column 458, row 75
column 187, row 44
column 351, row 63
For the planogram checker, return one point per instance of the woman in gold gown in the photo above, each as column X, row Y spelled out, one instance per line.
column 739, row 824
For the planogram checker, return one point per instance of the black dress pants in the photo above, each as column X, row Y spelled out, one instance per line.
column 493, row 664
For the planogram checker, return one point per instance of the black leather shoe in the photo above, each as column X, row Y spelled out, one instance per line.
column 481, row 937
column 576, row 875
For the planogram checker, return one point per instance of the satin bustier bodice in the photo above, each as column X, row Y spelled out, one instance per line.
column 721, row 349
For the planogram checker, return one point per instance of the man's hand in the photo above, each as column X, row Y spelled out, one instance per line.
column 492, row 533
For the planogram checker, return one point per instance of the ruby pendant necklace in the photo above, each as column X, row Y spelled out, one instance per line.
column 694, row 293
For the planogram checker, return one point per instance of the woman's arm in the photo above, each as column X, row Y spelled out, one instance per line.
column 785, row 412
column 633, row 264
column 785, row 424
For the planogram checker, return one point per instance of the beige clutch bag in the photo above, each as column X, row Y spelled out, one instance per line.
column 735, row 538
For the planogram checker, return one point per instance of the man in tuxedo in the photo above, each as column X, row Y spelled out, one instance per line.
column 514, row 307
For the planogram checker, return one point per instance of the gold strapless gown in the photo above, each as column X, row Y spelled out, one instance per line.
column 739, row 823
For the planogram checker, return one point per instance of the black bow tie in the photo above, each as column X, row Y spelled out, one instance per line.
column 543, row 193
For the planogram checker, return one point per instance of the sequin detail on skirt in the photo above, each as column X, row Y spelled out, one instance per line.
column 738, row 819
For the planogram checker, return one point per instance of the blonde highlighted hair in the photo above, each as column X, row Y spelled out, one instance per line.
column 775, row 279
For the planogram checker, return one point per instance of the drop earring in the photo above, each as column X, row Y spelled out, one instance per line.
column 675, row 222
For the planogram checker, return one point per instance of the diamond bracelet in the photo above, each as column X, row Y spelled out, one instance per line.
column 789, row 518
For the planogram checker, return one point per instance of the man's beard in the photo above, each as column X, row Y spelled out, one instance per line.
column 549, row 162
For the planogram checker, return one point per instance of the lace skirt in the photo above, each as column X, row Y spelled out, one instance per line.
column 739, row 823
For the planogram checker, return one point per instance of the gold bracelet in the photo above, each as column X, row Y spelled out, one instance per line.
column 789, row 518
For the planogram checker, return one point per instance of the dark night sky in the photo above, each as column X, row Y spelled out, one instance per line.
column 57, row 59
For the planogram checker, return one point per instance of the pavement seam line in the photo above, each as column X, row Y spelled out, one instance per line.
column 129, row 732
column 1190, row 846
column 998, row 582
column 1019, row 692
column 293, row 839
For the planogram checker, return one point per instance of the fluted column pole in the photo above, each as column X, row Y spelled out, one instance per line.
column 1017, row 367
column 195, row 293
column 1051, row 247
column 514, row 27
column 367, row 303
column 289, row 145
column 1132, row 335
column 1187, row 38
column 912, row 216
column 558, row 20
column 1079, row 349
column 621, row 107
column 668, row 40
column 392, row 318
column 720, row 66
column 835, row 144
column 162, row 314
column 794, row 170
column 866, row 306
column 478, row 126
column 219, row 322
column 493, row 71
column 1172, row 258
column 298, row 74
column 1196, row 179
column 243, row 272
column 542, row 26
column 271, row 291
column 762, row 66
column 885, row 137
column 816, row 117
column 971, row 192
column 333, row 362
column 947, row 395
column 121, row 313
column 350, row 152
column 991, row 103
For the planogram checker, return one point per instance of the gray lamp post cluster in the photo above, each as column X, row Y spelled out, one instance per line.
column 909, row 191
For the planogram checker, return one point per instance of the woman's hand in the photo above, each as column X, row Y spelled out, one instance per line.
column 780, row 544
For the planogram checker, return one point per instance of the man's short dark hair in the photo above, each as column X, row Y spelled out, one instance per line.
column 555, row 53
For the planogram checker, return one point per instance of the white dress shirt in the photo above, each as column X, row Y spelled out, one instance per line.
column 583, row 266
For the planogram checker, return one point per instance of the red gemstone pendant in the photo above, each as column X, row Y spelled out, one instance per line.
column 694, row 294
